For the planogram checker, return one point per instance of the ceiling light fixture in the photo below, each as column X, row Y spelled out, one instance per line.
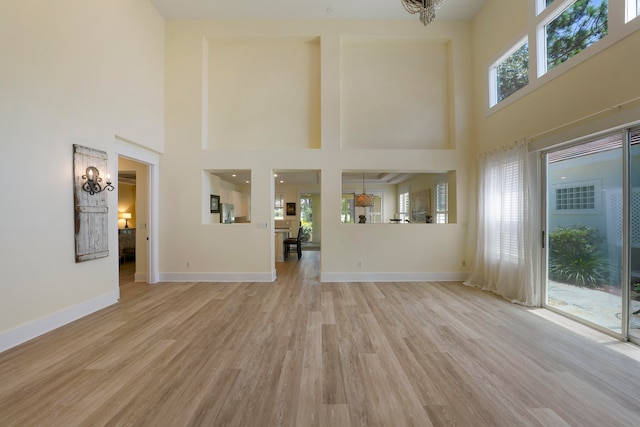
column 364, row 200
column 426, row 9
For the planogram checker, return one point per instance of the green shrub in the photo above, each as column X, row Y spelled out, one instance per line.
column 306, row 232
column 575, row 257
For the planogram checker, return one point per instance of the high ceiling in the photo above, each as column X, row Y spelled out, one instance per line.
column 308, row 9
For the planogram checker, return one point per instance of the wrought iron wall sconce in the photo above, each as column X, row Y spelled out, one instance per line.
column 92, row 184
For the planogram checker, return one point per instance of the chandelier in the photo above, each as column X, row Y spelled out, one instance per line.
column 426, row 9
column 364, row 200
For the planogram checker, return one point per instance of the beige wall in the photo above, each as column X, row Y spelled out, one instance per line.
column 601, row 82
column 394, row 92
column 316, row 203
column 73, row 72
column 195, row 250
column 596, row 90
column 263, row 92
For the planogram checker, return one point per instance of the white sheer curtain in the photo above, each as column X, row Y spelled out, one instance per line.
column 504, row 251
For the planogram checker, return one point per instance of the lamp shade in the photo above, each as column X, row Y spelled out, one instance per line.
column 125, row 215
column 364, row 200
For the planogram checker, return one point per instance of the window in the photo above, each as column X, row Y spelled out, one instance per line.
column 633, row 10
column 558, row 31
column 581, row 24
column 506, row 205
column 404, row 204
column 442, row 202
column 510, row 74
column 576, row 198
column 374, row 213
column 278, row 208
column 542, row 4
column 348, row 211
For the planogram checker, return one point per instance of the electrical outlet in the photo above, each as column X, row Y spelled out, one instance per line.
column 359, row 264
column 188, row 264
column 464, row 263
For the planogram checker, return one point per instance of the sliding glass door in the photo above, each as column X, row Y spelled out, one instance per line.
column 584, row 231
column 593, row 232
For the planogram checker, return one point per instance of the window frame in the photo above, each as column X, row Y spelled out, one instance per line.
column 278, row 204
column 493, row 71
column 444, row 212
column 351, row 208
column 597, row 191
column 632, row 10
column 373, row 214
column 556, row 9
column 619, row 27
column 404, row 193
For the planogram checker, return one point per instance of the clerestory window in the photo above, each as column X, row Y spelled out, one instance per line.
column 511, row 73
column 559, row 31
column 573, row 29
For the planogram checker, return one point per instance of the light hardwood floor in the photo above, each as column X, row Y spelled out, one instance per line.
column 302, row 353
column 127, row 272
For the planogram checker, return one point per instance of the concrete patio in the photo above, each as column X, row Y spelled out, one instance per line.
column 599, row 307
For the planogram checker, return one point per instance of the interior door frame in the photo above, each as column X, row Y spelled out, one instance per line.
column 150, row 158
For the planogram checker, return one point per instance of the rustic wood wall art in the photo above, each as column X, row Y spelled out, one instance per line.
column 91, row 210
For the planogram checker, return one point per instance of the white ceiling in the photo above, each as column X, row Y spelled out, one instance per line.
column 310, row 177
column 308, row 9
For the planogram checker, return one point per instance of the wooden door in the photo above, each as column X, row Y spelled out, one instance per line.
column 91, row 210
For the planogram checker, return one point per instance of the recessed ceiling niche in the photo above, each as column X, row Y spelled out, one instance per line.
column 263, row 92
column 394, row 93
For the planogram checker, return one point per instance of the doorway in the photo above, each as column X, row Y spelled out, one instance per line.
column 133, row 208
column 146, row 165
column 593, row 232
column 297, row 205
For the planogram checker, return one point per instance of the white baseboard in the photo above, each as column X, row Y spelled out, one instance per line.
column 26, row 332
column 217, row 277
column 324, row 277
column 394, row 277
